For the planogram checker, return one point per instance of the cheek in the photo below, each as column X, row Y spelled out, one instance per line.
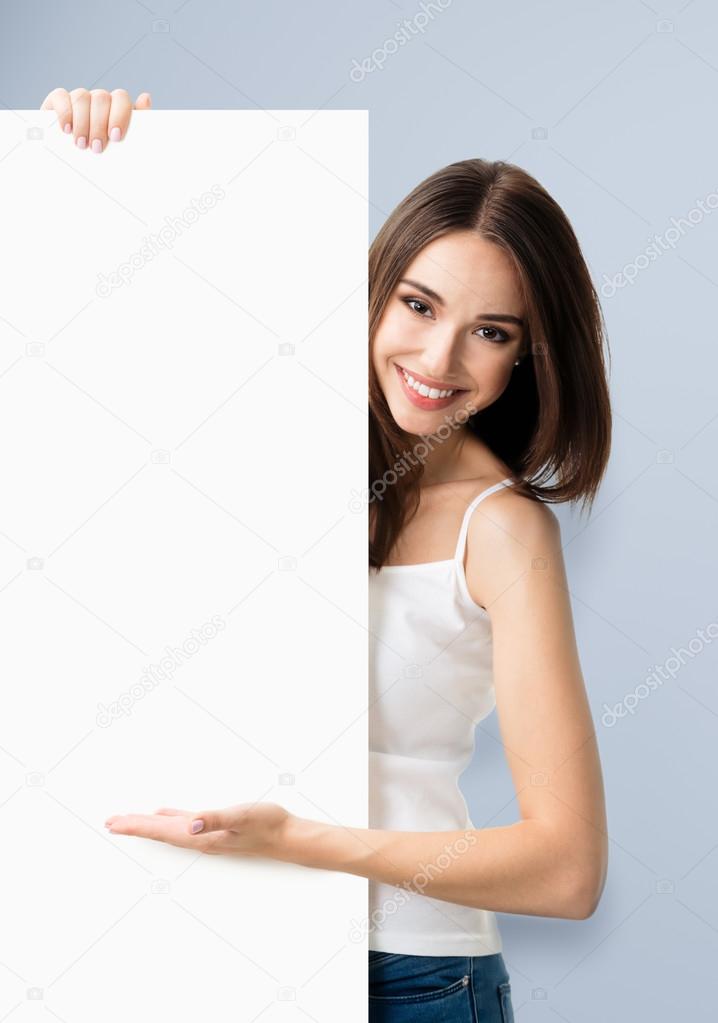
column 491, row 371
column 395, row 335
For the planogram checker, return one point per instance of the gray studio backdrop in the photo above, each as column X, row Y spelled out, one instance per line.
column 610, row 106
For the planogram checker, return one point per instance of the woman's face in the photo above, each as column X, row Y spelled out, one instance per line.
column 459, row 325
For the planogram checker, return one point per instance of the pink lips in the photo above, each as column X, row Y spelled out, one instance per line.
column 428, row 404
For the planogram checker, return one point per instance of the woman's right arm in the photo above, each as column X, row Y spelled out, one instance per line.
column 94, row 116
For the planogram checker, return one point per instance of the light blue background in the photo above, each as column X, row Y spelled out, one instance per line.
column 612, row 106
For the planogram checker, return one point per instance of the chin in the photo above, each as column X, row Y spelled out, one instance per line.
column 419, row 422
column 417, row 425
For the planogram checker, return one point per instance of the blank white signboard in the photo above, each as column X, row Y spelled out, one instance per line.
column 183, row 439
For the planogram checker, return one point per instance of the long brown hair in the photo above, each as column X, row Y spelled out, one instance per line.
column 553, row 420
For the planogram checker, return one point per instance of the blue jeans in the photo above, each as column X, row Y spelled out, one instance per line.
column 440, row 989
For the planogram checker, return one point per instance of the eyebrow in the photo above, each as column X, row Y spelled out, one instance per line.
column 501, row 317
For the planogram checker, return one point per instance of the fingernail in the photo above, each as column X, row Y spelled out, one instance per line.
column 81, row 142
column 115, row 134
column 96, row 146
column 197, row 826
column 68, row 128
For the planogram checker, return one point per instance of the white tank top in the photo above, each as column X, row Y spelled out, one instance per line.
column 430, row 683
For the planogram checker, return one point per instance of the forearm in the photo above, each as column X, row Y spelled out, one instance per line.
column 519, row 868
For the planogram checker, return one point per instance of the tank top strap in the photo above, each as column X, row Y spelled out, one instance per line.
column 461, row 543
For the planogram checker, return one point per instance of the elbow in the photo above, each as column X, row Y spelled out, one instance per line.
column 576, row 876
column 579, row 876
column 584, row 904
column 586, row 893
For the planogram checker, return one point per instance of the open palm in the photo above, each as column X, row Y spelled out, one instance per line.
column 247, row 829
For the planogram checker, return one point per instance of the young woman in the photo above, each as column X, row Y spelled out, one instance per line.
column 488, row 401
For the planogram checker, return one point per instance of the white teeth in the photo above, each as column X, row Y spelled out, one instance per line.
column 426, row 392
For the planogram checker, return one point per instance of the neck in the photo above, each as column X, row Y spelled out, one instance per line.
column 442, row 461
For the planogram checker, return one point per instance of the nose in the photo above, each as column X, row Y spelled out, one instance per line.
column 441, row 356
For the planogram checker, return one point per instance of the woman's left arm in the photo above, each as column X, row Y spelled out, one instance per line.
column 553, row 861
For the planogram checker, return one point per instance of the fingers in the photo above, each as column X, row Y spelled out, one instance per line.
column 218, row 820
column 170, row 830
column 100, row 102
column 80, row 116
column 120, row 113
column 59, row 101
column 212, row 820
column 164, row 811
column 95, row 116
column 144, row 826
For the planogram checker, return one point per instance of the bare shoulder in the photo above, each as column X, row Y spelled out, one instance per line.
column 517, row 516
column 508, row 535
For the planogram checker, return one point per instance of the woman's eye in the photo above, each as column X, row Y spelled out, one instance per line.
column 497, row 335
column 411, row 302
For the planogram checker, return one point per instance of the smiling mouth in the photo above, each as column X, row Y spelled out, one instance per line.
column 426, row 388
